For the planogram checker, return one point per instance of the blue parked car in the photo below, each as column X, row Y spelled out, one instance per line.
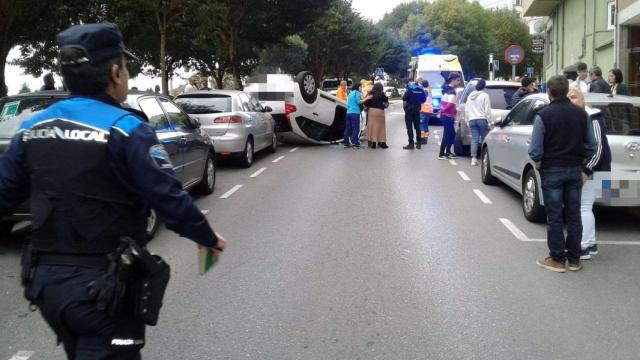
column 191, row 150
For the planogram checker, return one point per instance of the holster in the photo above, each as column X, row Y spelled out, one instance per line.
column 28, row 262
column 149, row 282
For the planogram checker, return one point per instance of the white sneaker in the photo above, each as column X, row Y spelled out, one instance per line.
column 474, row 162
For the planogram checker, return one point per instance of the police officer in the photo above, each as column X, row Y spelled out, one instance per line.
column 92, row 168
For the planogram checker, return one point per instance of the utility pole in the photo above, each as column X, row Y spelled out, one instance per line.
column 491, row 69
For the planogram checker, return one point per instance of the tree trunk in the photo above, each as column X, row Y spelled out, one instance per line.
column 4, row 52
column 163, row 61
column 218, row 75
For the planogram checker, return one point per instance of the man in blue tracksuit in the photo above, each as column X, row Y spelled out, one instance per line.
column 91, row 168
column 352, row 123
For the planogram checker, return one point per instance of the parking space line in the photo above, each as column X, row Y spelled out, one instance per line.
column 255, row 174
column 22, row 355
column 453, row 162
column 482, row 196
column 293, row 150
column 230, row 192
column 278, row 159
column 517, row 232
column 464, row 176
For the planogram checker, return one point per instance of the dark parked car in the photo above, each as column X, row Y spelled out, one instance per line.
column 190, row 149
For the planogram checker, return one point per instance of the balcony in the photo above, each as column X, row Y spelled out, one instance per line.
column 539, row 7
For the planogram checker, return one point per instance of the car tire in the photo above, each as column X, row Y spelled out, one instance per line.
column 531, row 207
column 308, row 87
column 6, row 227
column 208, row 181
column 274, row 143
column 485, row 168
column 246, row 158
column 152, row 224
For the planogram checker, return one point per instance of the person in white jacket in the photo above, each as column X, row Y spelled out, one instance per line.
column 477, row 114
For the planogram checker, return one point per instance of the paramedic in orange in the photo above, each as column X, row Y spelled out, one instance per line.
column 342, row 91
column 426, row 111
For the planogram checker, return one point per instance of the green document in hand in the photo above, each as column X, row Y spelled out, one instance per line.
column 206, row 259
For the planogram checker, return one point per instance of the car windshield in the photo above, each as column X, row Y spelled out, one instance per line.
column 13, row 112
column 500, row 96
column 204, row 103
column 330, row 84
column 621, row 119
column 437, row 79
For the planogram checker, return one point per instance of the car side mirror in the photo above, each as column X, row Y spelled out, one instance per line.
column 267, row 109
column 195, row 122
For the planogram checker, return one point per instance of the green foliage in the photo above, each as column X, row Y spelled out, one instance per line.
column 395, row 20
column 287, row 57
column 25, row 89
column 506, row 30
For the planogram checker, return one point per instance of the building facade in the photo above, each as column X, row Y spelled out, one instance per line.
column 575, row 31
column 628, row 43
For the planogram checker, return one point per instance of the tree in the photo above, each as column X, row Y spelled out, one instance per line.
column 25, row 89
column 18, row 28
column 287, row 57
column 395, row 20
column 506, row 30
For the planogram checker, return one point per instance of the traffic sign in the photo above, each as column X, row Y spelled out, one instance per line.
column 514, row 54
column 537, row 44
column 496, row 65
column 530, row 71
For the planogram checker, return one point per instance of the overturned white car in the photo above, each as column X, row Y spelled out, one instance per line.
column 302, row 112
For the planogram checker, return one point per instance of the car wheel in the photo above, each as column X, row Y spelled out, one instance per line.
column 246, row 158
column 208, row 182
column 5, row 229
column 274, row 143
column 531, row 207
column 308, row 87
column 152, row 224
column 485, row 169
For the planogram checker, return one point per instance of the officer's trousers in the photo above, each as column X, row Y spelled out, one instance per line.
column 62, row 296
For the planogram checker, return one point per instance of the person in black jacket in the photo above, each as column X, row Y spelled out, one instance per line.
column 561, row 142
column 376, row 129
column 49, row 83
column 598, row 84
column 599, row 162
column 528, row 87
column 412, row 101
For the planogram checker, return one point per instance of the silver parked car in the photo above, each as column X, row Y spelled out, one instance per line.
column 500, row 93
column 505, row 149
column 238, row 123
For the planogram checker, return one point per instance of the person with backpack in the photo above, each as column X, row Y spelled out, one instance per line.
column 412, row 101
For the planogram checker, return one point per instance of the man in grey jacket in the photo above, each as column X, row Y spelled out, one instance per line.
column 477, row 114
column 598, row 84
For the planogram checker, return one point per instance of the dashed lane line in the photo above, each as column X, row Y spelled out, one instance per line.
column 464, row 176
column 453, row 162
column 230, row 192
column 524, row 238
column 482, row 196
column 204, row 212
column 22, row 355
column 278, row 159
column 294, row 149
column 257, row 173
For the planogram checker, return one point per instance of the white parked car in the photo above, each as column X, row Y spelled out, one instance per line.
column 505, row 155
column 238, row 123
column 302, row 112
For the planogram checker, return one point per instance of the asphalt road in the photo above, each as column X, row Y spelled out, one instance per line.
column 372, row 254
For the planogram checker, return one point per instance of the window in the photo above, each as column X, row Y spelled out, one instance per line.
column 246, row 103
column 154, row 112
column 500, row 96
column 204, row 103
column 14, row 112
column 518, row 116
column 621, row 119
column 256, row 104
column 611, row 15
column 178, row 119
column 537, row 106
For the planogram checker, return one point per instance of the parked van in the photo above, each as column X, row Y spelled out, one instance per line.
column 436, row 69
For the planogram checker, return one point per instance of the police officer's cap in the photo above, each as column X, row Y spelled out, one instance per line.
column 99, row 43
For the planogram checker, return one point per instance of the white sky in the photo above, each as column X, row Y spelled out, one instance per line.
column 371, row 9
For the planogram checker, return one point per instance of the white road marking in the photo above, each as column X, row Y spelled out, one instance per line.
column 464, row 176
column 230, row 192
column 439, row 143
column 437, row 137
column 482, row 196
column 22, row 355
column 204, row 212
column 255, row 174
column 435, row 131
column 452, row 162
column 294, row 149
column 524, row 238
column 278, row 159
column 517, row 232
column 397, row 113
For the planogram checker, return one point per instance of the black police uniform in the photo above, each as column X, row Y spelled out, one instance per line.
column 91, row 168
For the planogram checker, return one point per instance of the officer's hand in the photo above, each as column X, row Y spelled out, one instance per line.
column 219, row 248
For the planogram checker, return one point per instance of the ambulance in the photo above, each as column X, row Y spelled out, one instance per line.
column 436, row 69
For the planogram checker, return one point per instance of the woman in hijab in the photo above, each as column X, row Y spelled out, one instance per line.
column 376, row 130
